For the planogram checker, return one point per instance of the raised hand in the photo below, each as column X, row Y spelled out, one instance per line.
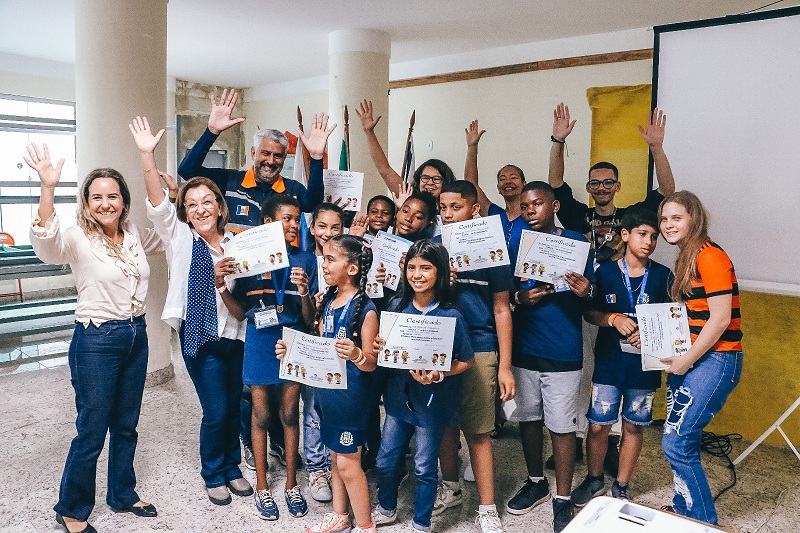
column 358, row 228
column 145, row 140
column 170, row 182
column 220, row 118
column 404, row 190
column 365, row 114
column 473, row 133
column 40, row 162
column 562, row 126
column 653, row 133
column 316, row 142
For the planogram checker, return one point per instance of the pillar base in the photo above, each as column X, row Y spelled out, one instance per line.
column 160, row 376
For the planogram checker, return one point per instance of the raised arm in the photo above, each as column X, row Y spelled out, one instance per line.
column 147, row 142
column 368, row 123
column 315, row 143
column 474, row 133
column 562, row 127
column 49, row 176
column 653, row 135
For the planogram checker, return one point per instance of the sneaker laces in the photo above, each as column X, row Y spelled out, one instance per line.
column 329, row 520
column 265, row 497
column 489, row 522
column 294, row 495
column 319, row 479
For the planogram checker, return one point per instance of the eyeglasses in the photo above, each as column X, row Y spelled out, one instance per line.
column 207, row 205
column 606, row 183
column 430, row 179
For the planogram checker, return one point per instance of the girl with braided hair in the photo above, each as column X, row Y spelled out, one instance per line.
column 347, row 314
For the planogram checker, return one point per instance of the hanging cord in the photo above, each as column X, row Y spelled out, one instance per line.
column 720, row 446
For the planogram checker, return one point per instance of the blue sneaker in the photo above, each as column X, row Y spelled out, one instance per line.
column 265, row 505
column 296, row 502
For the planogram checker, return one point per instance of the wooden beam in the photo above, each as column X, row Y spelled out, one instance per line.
column 504, row 70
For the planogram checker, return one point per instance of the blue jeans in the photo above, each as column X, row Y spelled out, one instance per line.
column 216, row 372
column 317, row 456
column 394, row 441
column 108, row 365
column 692, row 400
column 245, row 414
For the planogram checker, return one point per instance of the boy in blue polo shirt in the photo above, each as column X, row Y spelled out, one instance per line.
column 547, row 360
column 618, row 375
column 483, row 298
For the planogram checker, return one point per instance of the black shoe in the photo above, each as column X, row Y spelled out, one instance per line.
column 620, row 491
column 277, row 451
column 588, row 489
column 611, row 462
column 368, row 460
column 146, row 511
column 562, row 514
column 87, row 529
column 528, row 496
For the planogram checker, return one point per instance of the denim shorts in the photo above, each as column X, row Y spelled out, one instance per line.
column 637, row 405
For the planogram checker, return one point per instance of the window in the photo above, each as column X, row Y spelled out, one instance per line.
column 23, row 121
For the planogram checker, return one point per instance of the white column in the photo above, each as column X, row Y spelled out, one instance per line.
column 358, row 69
column 121, row 72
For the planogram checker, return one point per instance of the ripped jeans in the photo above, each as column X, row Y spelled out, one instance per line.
column 692, row 401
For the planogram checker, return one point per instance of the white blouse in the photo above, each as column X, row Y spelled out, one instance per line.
column 109, row 288
column 178, row 239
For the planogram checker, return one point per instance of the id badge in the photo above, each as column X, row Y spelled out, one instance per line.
column 266, row 317
column 629, row 348
column 328, row 323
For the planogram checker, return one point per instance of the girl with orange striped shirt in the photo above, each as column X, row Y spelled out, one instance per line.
column 700, row 380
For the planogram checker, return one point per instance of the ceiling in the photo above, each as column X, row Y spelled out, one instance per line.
column 248, row 43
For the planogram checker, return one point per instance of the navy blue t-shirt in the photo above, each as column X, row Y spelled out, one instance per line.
column 253, row 290
column 551, row 329
column 495, row 209
column 435, row 404
column 344, row 408
column 612, row 366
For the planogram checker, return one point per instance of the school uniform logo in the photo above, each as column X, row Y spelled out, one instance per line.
column 346, row 438
column 611, row 298
column 242, row 210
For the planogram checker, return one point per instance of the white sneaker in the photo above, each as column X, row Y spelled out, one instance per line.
column 489, row 522
column 319, row 484
column 469, row 475
column 332, row 523
column 446, row 497
column 381, row 516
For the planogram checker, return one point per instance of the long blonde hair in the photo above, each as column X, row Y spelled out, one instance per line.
column 84, row 215
column 686, row 263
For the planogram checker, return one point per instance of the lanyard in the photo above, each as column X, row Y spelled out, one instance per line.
column 608, row 236
column 280, row 293
column 341, row 331
column 430, row 307
column 640, row 298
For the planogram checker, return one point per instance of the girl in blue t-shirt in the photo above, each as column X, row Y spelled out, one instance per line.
column 420, row 403
column 347, row 314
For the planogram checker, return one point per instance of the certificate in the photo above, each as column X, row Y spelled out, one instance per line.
column 320, row 278
column 389, row 249
column 663, row 331
column 475, row 244
column 545, row 257
column 416, row 341
column 374, row 289
column 343, row 188
column 258, row 250
column 312, row 361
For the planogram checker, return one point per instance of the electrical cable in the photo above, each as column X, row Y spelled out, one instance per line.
column 720, row 446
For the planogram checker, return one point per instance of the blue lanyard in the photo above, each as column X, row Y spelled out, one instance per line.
column 430, row 307
column 280, row 293
column 640, row 298
column 340, row 334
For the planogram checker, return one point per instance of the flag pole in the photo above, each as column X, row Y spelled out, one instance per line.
column 347, row 135
column 407, row 151
column 306, row 156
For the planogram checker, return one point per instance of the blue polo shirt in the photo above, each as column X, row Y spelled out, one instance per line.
column 612, row 366
column 435, row 404
column 495, row 209
column 243, row 194
column 548, row 336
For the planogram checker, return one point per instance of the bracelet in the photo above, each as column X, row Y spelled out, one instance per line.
column 612, row 317
column 553, row 139
column 516, row 298
column 303, row 295
column 222, row 289
column 441, row 377
column 361, row 359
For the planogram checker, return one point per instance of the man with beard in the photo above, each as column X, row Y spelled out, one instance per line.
column 246, row 191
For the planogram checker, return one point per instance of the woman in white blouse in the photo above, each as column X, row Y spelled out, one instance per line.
column 212, row 340
column 108, row 352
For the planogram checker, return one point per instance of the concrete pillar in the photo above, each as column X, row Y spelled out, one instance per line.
column 358, row 69
column 121, row 72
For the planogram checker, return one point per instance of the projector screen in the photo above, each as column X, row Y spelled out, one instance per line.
column 731, row 91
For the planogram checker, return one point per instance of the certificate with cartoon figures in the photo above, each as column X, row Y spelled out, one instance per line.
column 388, row 249
column 374, row 289
column 312, row 360
column 416, row 341
column 546, row 257
column 343, row 188
column 477, row 243
column 258, row 250
column 663, row 331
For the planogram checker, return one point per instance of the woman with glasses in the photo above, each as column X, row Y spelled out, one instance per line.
column 108, row 352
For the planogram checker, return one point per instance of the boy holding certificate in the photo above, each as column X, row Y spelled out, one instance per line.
column 546, row 360
column 483, row 298
column 618, row 376
column 271, row 301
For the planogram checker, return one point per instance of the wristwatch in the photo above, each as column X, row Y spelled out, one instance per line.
column 590, row 294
